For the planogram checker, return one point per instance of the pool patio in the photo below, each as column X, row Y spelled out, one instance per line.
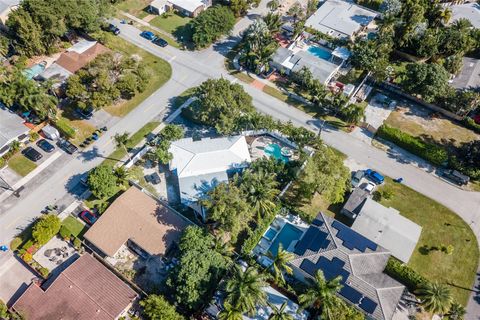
column 267, row 146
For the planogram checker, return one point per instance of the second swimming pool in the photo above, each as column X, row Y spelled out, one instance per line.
column 286, row 236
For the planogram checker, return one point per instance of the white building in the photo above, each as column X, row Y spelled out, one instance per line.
column 11, row 129
column 191, row 8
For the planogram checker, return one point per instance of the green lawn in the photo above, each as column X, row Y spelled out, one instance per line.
column 174, row 24
column 21, row 165
column 159, row 69
column 77, row 228
column 440, row 226
column 135, row 7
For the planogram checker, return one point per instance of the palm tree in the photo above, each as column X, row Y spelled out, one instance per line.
column 322, row 295
column 296, row 11
column 273, row 5
column 221, row 246
column 260, row 190
column 230, row 312
column 280, row 263
column 273, row 21
column 435, row 297
column 456, row 312
column 122, row 175
column 446, row 15
column 245, row 289
column 279, row 313
column 121, row 142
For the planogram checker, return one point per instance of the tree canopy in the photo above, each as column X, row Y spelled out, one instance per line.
column 428, row 80
column 45, row 228
column 155, row 307
column 102, row 181
column 211, row 24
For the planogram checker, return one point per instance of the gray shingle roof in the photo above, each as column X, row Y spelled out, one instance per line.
column 11, row 126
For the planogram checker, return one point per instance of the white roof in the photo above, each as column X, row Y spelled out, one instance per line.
column 189, row 5
column 158, row 3
column 195, row 188
column 339, row 18
column 388, row 228
column 55, row 72
column 81, row 46
column 209, row 155
column 11, row 126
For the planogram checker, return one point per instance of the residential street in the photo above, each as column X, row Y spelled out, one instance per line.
column 58, row 181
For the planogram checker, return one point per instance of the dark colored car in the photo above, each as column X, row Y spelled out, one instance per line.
column 67, row 146
column 32, row 154
column 88, row 216
column 456, row 177
column 147, row 35
column 113, row 29
column 160, row 42
column 45, row 145
column 374, row 176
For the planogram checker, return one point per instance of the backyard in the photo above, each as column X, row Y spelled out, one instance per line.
column 440, row 226
column 20, row 164
column 174, row 24
column 135, row 7
column 77, row 228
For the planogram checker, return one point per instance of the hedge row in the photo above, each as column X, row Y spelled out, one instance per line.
column 256, row 235
column 471, row 124
column 404, row 274
column 428, row 151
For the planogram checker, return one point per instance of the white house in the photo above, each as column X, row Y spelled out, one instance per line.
column 191, row 8
column 11, row 129
column 201, row 165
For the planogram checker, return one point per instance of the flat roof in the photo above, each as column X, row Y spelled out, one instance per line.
column 340, row 18
column 137, row 217
column 11, row 126
column 85, row 290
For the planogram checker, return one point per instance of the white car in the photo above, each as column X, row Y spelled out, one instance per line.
column 369, row 186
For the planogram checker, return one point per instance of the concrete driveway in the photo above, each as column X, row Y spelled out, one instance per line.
column 14, row 277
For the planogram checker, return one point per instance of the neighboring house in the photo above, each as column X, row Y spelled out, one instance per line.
column 191, row 8
column 138, row 221
column 469, row 11
column 341, row 19
column 11, row 129
column 354, row 203
column 388, row 228
column 6, row 6
column 332, row 247
column 287, row 61
column 85, row 290
column 201, row 165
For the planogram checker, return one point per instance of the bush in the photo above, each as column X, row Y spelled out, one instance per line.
column 44, row 272
column 404, row 274
column 257, row 234
column 27, row 257
column 65, row 233
column 428, row 151
column 15, row 243
column 45, row 228
column 33, row 136
column 64, row 128
column 468, row 122
column 3, row 162
column 3, row 310
column 27, row 245
column 77, row 243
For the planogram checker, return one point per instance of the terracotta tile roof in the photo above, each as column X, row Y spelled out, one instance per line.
column 139, row 218
column 86, row 290
column 74, row 61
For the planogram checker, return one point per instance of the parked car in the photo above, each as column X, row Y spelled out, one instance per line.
column 32, row 154
column 86, row 113
column 147, row 35
column 456, row 177
column 88, row 216
column 113, row 29
column 45, row 145
column 69, row 147
column 357, row 177
column 160, row 42
column 374, row 176
column 369, row 187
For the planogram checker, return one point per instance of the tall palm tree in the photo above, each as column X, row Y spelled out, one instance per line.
column 273, row 21
column 273, row 5
column 279, row 313
column 296, row 11
column 230, row 312
column 245, row 289
column 121, row 142
column 260, row 189
column 322, row 295
column 456, row 312
column 435, row 297
column 280, row 263
column 122, row 175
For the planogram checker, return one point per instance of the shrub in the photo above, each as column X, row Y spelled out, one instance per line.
column 471, row 124
column 77, row 243
column 15, row 243
column 428, row 151
column 45, row 228
column 3, row 310
column 27, row 257
column 256, row 235
column 65, row 233
column 404, row 274
column 27, row 245
column 44, row 272
column 33, row 136
column 64, row 128
column 3, row 162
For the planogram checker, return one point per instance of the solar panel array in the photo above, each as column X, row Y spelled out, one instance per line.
column 351, row 239
column 351, row 294
column 368, row 305
column 314, row 239
column 317, row 222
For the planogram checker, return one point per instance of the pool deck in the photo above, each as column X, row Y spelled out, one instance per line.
column 257, row 147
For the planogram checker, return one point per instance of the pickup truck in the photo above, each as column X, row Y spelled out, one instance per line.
column 456, row 177
column 69, row 147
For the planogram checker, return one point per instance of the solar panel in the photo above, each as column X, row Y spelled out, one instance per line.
column 304, row 243
column 309, row 267
column 332, row 269
column 319, row 240
column 350, row 294
column 351, row 239
column 317, row 222
column 368, row 305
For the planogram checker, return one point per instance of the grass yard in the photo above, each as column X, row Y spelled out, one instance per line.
column 82, row 128
column 21, row 165
column 135, row 139
column 77, row 228
column 440, row 226
column 159, row 69
column 135, row 7
column 174, row 24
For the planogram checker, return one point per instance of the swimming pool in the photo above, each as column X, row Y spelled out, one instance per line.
column 270, row 234
column 274, row 150
column 319, row 52
column 286, row 236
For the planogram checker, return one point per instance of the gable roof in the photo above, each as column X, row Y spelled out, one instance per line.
column 189, row 5
column 86, row 290
column 139, row 218
column 388, row 228
column 209, row 155
column 11, row 126
column 355, row 200
column 337, row 250
column 80, row 54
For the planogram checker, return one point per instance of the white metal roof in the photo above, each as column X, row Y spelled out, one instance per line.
column 11, row 126
column 388, row 228
column 81, row 46
column 189, row 5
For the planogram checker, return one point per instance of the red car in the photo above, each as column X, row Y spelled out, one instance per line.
column 88, row 216
column 476, row 118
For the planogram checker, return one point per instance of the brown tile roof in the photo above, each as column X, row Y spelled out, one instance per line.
column 86, row 290
column 137, row 217
column 74, row 61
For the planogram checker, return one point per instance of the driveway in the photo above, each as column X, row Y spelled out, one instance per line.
column 14, row 277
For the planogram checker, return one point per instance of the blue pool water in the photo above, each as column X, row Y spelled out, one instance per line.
column 270, row 234
column 286, row 236
column 274, row 150
column 34, row 71
column 319, row 52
